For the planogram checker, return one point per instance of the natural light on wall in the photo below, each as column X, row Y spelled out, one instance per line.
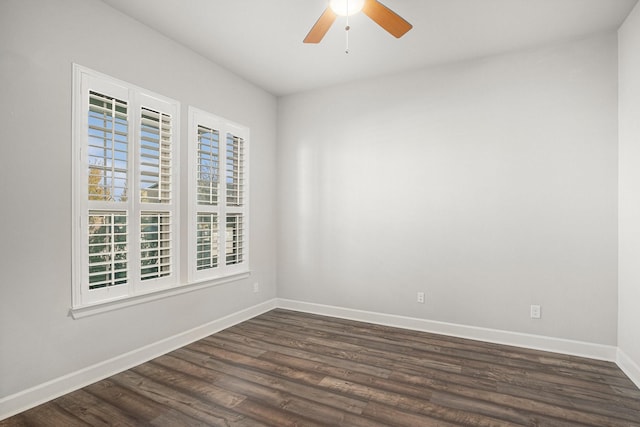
column 346, row 7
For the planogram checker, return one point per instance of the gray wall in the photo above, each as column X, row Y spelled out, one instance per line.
column 489, row 184
column 629, row 104
column 39, row 40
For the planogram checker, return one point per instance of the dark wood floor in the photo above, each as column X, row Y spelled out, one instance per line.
column 285, row 368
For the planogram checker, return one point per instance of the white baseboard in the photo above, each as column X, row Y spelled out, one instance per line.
column 537, row 342
column 34, row 396
column 42, row 393
column 629, row 367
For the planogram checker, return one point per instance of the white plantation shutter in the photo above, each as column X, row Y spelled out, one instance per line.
column 235, row 170
column 234, row 246
column 103, row 185
column 207, row 189
column 126, row 242
column 107, row 236
column 234, row 162
column 208, row 166
column 107, row 147
column 155, row 156
column 207, row 241
column 155, row 245
column 218, row 209
column 157, row 207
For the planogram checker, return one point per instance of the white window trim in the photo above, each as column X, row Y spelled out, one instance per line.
column 103, row 307
column 200, row 117
column 85, row 79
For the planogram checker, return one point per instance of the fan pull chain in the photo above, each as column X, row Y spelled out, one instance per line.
column 346, row 32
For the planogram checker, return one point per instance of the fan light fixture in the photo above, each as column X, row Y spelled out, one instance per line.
column 346, row 7
column 393, row 23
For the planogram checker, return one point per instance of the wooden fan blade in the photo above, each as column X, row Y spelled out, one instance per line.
column 386, row 18
column 321, row 26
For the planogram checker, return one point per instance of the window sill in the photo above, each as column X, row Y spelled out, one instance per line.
column 103, row 307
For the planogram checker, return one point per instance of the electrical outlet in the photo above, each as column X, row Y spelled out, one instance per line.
column 256, row 287
column 420, row 297
column 535, row 312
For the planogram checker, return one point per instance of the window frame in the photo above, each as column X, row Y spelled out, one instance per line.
column 224, row 127
column 84, row 81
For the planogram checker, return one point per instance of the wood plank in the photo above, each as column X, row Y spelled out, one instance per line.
column 220, row 371
column 45, row 415
column 146, row 411
column 186, row 403
column 396, row 417
column 94, row 411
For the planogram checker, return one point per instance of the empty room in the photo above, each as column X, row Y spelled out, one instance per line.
column 431, row 212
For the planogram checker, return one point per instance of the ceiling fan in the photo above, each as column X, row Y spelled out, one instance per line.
column 379, row 13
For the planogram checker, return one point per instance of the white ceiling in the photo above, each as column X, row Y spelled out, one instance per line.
column 261, row 40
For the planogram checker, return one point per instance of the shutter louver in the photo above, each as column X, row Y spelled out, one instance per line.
column 107, row 148
column 207, row 241
column 235, row 170
column 107, row 249
column 155, row 157
column 208, row 166
column 234, row 245
column 155, row 245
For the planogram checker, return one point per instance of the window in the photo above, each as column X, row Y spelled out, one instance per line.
column 125, row 198
column 218, row 205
